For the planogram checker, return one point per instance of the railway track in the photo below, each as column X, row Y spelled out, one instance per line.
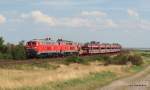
column 16, row 62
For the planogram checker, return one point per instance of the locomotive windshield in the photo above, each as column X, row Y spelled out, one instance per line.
column 32, row 43
column 29, row 43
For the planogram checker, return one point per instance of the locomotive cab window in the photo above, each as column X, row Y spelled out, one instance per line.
column 29, row 43
column 32, row 43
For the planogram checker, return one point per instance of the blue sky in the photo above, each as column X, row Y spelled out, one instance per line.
column 120, row 21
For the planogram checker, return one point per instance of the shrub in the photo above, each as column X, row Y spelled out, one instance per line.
column 95, row 58
column 10, row 51
column 2, row 46
column 75, row 59
column 5, row 56
column 106, row 59
column 124, row 59
column 145, row 54
column 18, row 53
column 1, row 56
column 135, row 59
column 119, row 59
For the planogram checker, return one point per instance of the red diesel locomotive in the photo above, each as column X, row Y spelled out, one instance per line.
column 49, row 48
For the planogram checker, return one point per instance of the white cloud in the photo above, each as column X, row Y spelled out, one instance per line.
column 74, row 22
column 132, row 13
column 93, row 13
column 24, row 16
column 110, row 23
column 2, row 19
column 90, row 23
column 38, row 16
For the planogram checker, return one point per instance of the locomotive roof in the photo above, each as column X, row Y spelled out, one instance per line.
column 52, row 41
column 48, row 40
column 43, row 40
column 61, row 40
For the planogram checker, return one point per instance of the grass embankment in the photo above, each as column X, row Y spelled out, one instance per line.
column 88, row 82
column 30, row 66
column 64, row 74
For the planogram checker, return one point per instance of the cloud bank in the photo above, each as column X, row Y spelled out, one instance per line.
column 86, row 19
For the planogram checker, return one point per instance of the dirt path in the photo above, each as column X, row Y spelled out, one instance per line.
column 140, row 81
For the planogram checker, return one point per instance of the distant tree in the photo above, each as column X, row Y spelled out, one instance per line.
column 1, row 45
column 18, row 52
column 1, row 41
column 8, row 50
column 3, row 50
column 22, row 43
